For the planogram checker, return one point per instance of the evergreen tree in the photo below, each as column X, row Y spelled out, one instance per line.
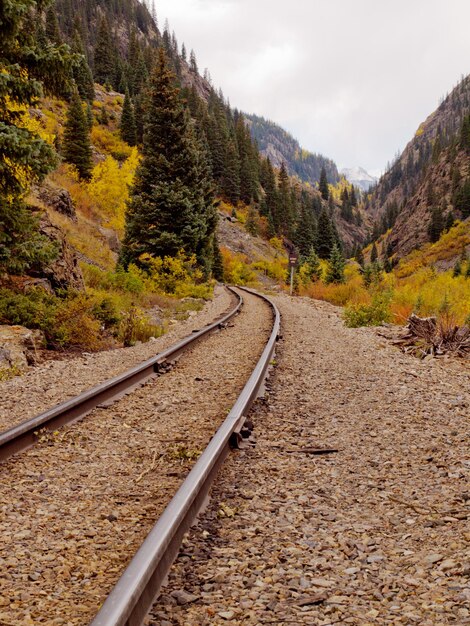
column 230, row 183
column 104, row 67
column 465, row 134
column 171, row 205
column 436, row 225
column 193, row 63
column 52, row 26
column 81, row 70
column 89, row 116
column 217, row 265
column 325, row 235
column 284, row 216
column 360, row 256
column 127, row 125
column 183, row 52
column 77, row 148
column 373, row 253
column 251, row 224
column 353, row 197
column 457, row 271
column 306, row 232
column 335, row 269
column 313, row 265
column 26, row 68
column 323, row 185
column 462, row 199
column 449, row 221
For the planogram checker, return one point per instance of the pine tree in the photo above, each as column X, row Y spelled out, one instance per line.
column 353, row 197
column 285, row 213
column 230, row 184
column 336, row 264
column 436, row 225
column 323, row 185
column 81, row 70
column 127, row 125
column 217, row 264
column 306, row 232
column 449, row 221
column 462, row 199
column 104, row 67
column 313, row 265
column 325, row 236
column 52, row 26
column 25, row 158
column 183, row 52
column 251, row 224
column 465, row 134
column 193, row 63
column 77, row 148
column 373, row 253
column 171, row 205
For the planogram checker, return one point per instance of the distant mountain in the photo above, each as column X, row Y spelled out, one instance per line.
column 428, row 185
column 359, row 177
column 277, row 144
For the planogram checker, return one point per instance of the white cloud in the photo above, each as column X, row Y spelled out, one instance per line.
column 352, row 80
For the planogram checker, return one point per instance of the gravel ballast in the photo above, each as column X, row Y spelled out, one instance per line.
column 352, row 508
column 76, row 506
column 56, row 381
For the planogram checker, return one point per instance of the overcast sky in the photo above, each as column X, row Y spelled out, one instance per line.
column 351, row 79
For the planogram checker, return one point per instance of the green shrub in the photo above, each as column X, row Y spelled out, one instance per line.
column 135, row 326
column 372, row 314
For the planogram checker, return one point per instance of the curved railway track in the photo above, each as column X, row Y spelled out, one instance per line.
column 26, row 433
column 85, row 553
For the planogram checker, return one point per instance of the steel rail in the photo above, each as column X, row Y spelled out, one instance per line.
column 25, row 434
column 135, row 592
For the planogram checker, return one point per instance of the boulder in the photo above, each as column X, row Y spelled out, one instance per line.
column 19, row 346
column 58, row 199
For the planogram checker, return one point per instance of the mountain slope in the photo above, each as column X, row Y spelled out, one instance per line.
column 420, row 191
column 277, row 144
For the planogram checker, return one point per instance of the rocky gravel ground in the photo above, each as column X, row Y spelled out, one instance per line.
column 354, row 505
column 56, row 381
column 75, row 507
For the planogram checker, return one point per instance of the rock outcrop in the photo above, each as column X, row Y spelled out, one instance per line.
column 18, row 347
column 64, row 272
column 58, row 199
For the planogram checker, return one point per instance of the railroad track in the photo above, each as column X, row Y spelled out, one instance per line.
column 27, row 433
column 135, row 592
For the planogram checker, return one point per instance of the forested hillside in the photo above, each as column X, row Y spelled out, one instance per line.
column 277, row 144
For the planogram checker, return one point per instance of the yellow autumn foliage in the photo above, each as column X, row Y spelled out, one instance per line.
column 109, row 187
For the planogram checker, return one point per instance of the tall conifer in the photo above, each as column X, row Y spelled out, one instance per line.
column 323, row 185
column 171, row 205
column 104, row 68
column 127, row 126
column 76, row 145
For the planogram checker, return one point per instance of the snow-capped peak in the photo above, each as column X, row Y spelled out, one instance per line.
column 359, row 176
